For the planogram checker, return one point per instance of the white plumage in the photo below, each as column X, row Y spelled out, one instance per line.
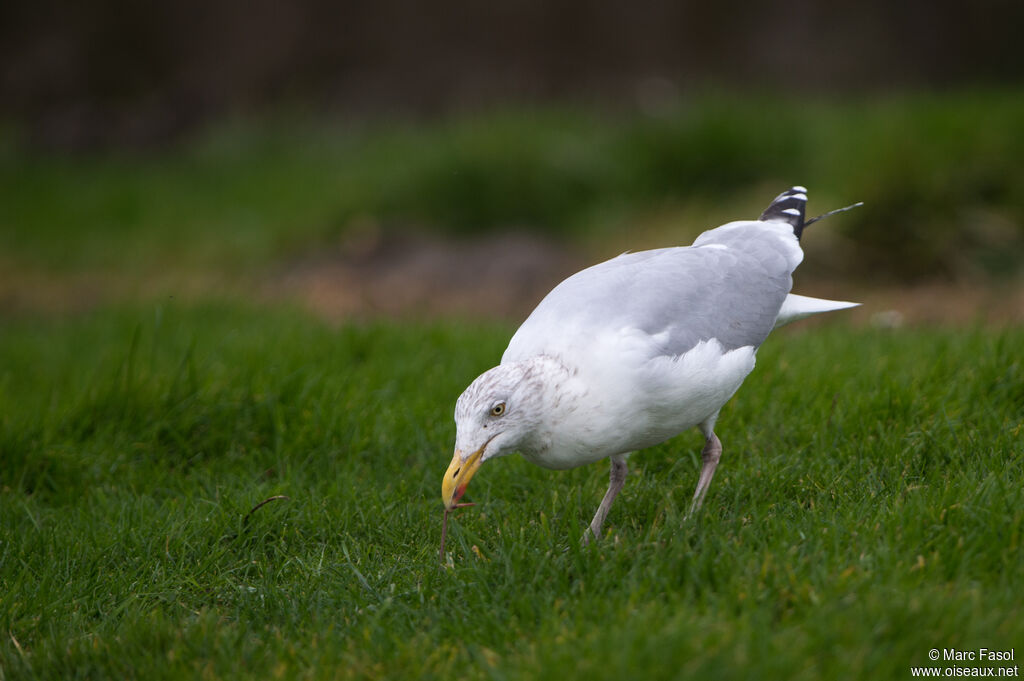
column 630, row 352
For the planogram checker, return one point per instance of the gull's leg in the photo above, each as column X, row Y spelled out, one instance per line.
column 616, row 479
column 711, row 454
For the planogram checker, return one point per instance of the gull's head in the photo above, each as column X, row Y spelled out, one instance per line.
column 496, row 414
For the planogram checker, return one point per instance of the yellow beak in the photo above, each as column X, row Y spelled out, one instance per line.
column 458, row 475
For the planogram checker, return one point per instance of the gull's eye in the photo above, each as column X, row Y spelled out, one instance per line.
column 498, row 409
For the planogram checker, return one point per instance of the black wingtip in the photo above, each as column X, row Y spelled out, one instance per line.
column 790, row 207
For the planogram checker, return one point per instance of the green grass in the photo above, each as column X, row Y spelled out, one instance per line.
column 940, row 176
column 868, row 508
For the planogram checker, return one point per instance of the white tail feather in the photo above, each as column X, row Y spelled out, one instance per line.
column 797, row 307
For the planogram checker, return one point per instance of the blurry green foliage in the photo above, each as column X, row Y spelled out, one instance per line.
column 940, row 176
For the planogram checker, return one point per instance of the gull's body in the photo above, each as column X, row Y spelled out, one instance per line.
column 631, row 352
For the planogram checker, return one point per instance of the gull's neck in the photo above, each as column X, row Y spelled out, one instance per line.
column 562, row 412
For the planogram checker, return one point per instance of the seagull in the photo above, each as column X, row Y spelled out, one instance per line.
column 633, row 351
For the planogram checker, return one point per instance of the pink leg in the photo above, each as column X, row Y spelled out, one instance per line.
column 616, row 479
column 711, row 454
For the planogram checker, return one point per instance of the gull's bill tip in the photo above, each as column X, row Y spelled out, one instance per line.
column 456, row 478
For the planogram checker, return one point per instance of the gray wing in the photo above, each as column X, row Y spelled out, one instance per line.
column 729, row 286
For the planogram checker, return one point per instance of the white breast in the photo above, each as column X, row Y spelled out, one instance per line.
column 620, row 402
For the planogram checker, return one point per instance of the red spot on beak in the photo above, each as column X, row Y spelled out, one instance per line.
column 458, row 493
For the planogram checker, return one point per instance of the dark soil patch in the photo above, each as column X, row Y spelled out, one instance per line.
column 403, row 273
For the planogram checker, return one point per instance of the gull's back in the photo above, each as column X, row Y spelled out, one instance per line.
column 728, row 286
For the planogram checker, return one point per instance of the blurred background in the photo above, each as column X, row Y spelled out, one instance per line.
column 459, row 158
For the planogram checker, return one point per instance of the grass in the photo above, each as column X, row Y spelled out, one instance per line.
column 868, row 508
column 939, row 174
column 220, row 490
